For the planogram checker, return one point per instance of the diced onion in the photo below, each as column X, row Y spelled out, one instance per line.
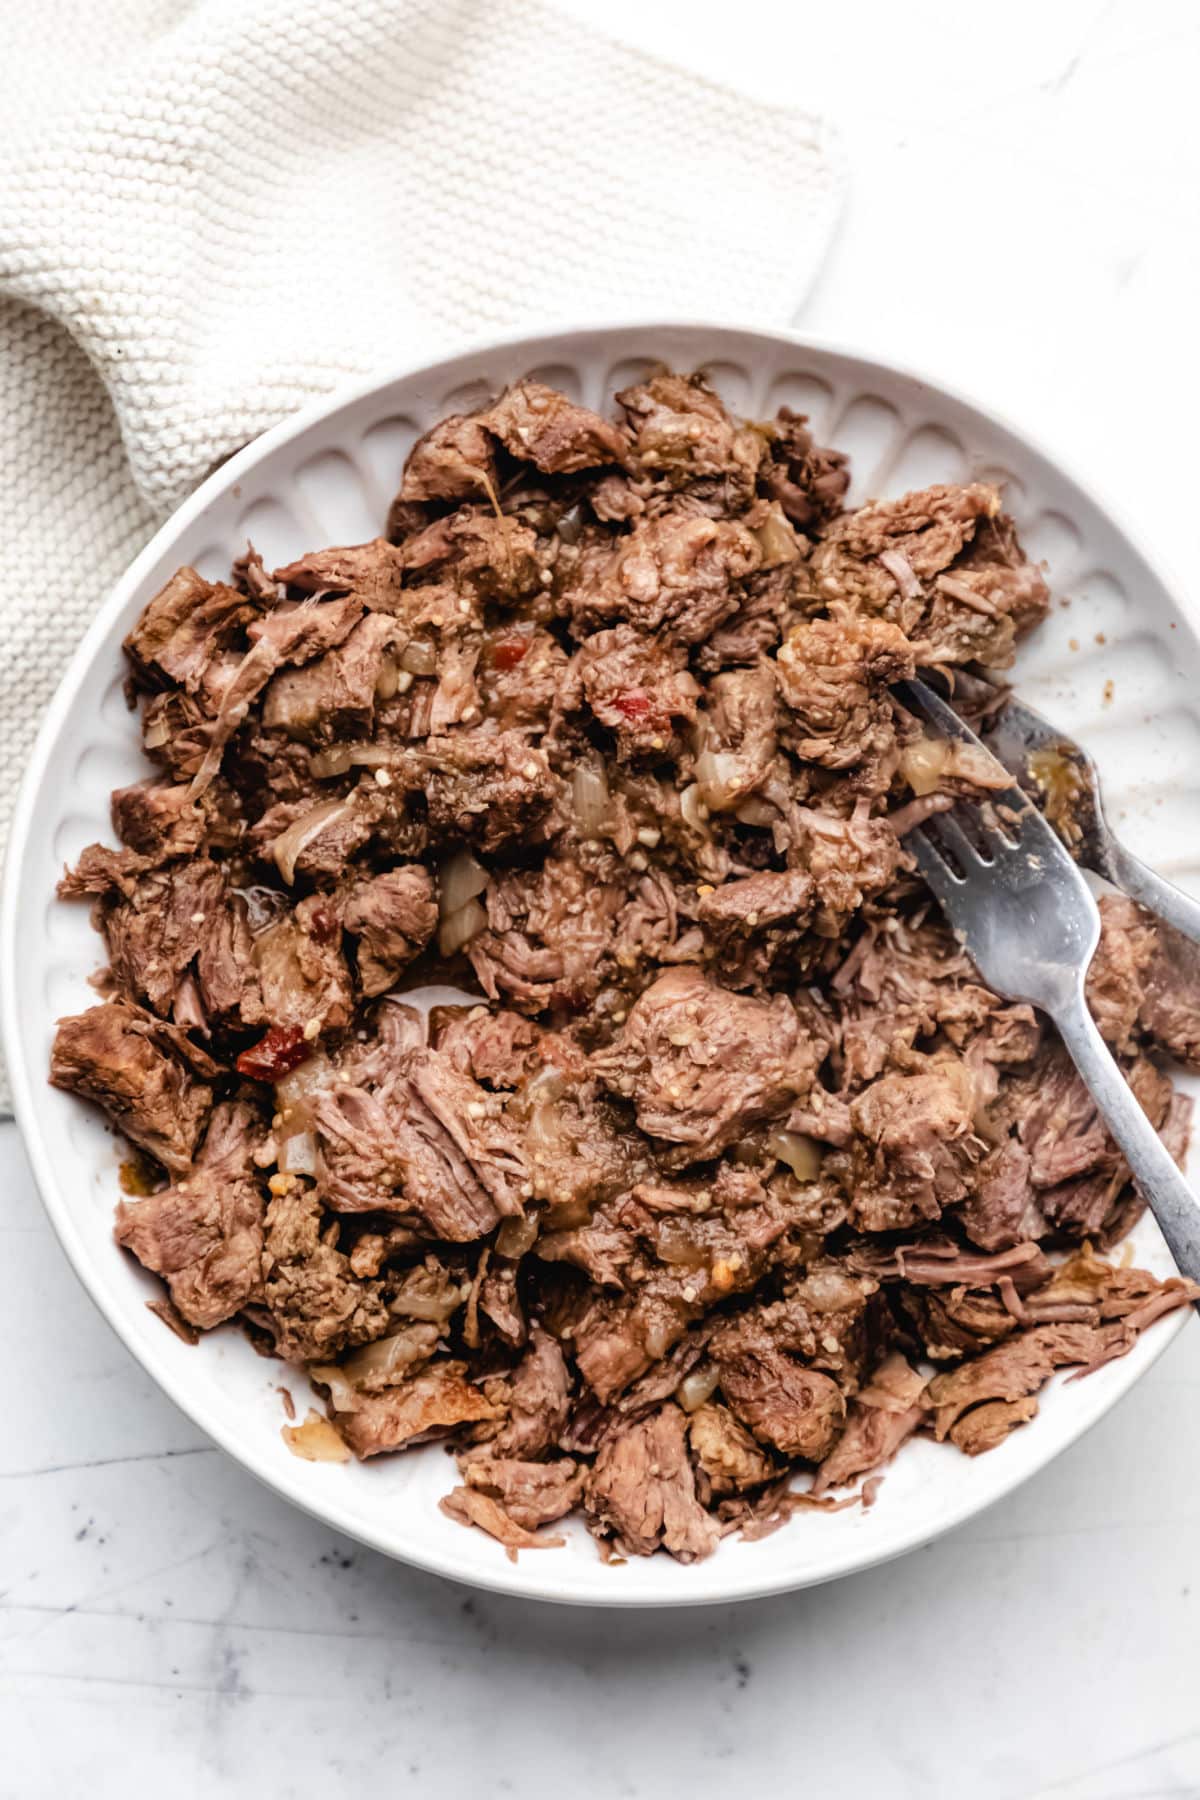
column 698, row 1386
column 298, row 1154
column 387, row 679
column 717, row 778
column 460, row 927
column 420, row 657
column 754, row 811
column 776, row 539
column 693, row 810
column 589, row 792
column 348, row 756
column 460, row 878
column 392, row 1355
column 902, row 573
column 342, row 1393
column 437, row 1308
column 677, row 1245
column 924, row 764
column 799, row 1152
column 315, row 1440
column 291, row 844
column 299, row 1087
column 516, row 1236
column 659, row 1338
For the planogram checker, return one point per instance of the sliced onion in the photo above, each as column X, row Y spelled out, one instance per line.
column 420, row 657
column 717, row 775
column 923, row 764
column 342, row 1393
column 461, row 927
column 392, row 1355
column 298, row 1153
column 675, row 1244
column 349, row 756
column 902, row 573
column 693, row 811
column 776, row 539
column 754, row 811
column 589, row 792
column 296, row 1091
column 698, row 1386
column 516, row 1236
column 315, row 1440
column 799, row 1152
column 437, row 1308
column 659, row 1338
column 459, row 880
column 291, row 844
column 387, row 679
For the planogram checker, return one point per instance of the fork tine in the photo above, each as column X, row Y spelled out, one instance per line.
column 937, row 872
column 945, row 832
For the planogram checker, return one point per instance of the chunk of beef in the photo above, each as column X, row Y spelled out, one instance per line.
column 488, row 786
column 539, row 1400
column 428, row 1140
column 1004, row 1209
column 639, row 687
column 317, row 1305
column 726, row 1452
column 850, row 860
column 684, row 438
column 522, row 672
column 550, row 936
column 501, row 1049
column 476, row 556
column 189, row 624
column 702, row 1065
column 333, row 696
column 676, row 573
column 372, row 573
column 808, row 482
column 158, row 819
column 641, row 1491
column 537, row 424
column 301, row 968
column 393, row 916
column 834, row 676
column 1144, row 982
column 793, row 1409
column 431, row 1405
column 739, row 736
column 915, row 1149
column 580, row 1147
column 126, row 1062
column 204, row 1234
column 454, row 460
column 757, row 902
column 882, row 1416
column 531, row 1493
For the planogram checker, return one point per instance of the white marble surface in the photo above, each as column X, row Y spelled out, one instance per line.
column 1023, row 220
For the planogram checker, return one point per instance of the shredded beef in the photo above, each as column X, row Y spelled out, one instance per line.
column 700, row 1140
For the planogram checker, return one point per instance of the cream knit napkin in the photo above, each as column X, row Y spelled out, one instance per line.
column 210, row 213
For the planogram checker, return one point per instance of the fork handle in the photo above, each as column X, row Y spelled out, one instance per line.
column 1133, row 877
column 1153, row 1167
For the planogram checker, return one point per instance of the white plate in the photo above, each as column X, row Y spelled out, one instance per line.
column 1117, row 663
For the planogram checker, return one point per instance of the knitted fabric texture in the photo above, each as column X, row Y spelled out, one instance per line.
column 212, row 213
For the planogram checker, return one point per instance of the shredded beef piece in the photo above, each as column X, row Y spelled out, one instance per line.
column 641, row 1491
column 834, row 677
column 699, row 1103
column 677, row 573
column 500, row 1049
column 204, row 1234
column 915, row 1148
column 549, row 938
column 123, row 1059
column 638, row 687
column 489, row 786
column 393, row 917
column 539, row 425
column 454, row 461
column 726, row 1452
column 701, row 1065
column 316, row 1304
column 431, row 1405
column 809, row 483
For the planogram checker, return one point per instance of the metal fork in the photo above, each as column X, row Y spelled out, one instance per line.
column 1026, row 917
column 1030, row 747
